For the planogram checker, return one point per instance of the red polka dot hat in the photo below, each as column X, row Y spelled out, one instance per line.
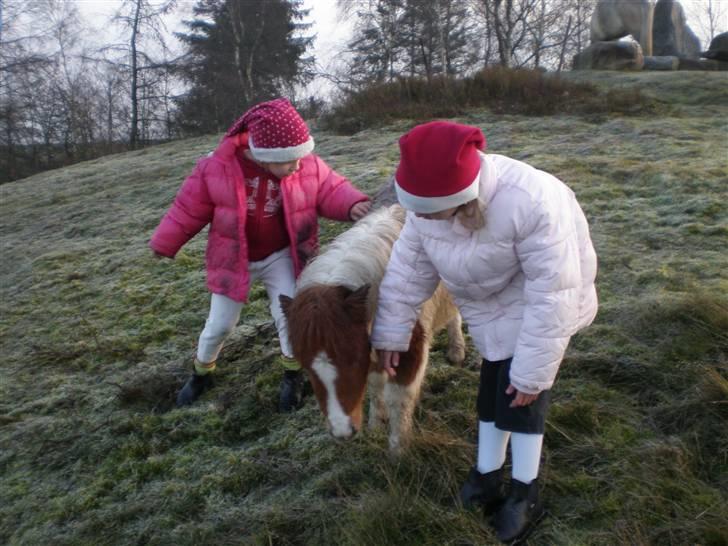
column 276, row 132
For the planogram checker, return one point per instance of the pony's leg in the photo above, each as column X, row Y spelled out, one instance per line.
column 377, row 410
column 455, row 340
column 401, row 401
column 402, row 392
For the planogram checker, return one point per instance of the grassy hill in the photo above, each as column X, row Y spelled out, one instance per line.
column 97, row 336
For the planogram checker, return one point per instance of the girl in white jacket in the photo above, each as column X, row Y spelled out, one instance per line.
column 512, row 246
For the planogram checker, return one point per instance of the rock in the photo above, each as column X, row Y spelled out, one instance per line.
column 610, row 56
column 702, row 64
column 671, row 34
column 666, row 62
column 718, row 49
column 615, row 19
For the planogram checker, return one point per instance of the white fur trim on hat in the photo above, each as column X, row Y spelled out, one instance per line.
column 429, row 205
column 281, row 155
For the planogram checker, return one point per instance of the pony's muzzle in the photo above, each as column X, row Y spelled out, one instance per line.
column 343, row 432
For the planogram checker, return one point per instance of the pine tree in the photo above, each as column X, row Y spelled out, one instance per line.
column 241, row 52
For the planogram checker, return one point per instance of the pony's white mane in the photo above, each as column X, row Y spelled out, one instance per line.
column 358, row 256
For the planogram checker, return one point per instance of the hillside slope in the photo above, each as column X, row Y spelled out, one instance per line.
column 97, row 336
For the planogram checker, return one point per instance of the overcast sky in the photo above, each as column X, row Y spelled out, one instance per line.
column 331, row 34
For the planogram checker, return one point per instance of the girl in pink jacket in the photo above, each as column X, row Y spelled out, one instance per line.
column 261, row 191
column 512, row 246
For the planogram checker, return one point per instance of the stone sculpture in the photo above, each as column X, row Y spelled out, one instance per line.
column 671, row 34
column 610, row 56
column 614, row 19
column 718, row 50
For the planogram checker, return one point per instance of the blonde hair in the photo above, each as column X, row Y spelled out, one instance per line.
column 472, row 214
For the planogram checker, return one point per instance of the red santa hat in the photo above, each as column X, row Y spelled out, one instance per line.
column 276, row 132
column 439, row 166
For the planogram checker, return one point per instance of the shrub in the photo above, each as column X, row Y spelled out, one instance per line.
column 516, row 91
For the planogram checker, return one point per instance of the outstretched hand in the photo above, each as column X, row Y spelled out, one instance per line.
column 522, row 398
column 359, row 210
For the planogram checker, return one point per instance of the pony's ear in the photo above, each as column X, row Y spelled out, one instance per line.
column 285, row 303
column 356, row 304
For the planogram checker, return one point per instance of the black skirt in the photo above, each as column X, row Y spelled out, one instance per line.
column 494, row 403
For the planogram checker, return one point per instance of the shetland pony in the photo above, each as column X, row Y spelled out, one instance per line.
column 329, row 321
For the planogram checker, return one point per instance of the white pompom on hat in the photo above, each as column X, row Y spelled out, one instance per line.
column 276, row 132
column 439, row 166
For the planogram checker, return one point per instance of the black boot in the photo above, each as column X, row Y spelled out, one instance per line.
column 291, row 391
column 195, row 386
column 520, row 513
column 484, row 490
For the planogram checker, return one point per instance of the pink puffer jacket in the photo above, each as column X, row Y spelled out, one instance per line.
column 215, row 194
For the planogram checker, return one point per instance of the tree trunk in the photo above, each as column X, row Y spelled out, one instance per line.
column 562, row 54
column 501, row 23
column 134, row 132
column 109, row 116
column 245, row 67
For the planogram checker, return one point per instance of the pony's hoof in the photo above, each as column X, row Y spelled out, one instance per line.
column 396, row 447
column 456, row 355
column 375, row 424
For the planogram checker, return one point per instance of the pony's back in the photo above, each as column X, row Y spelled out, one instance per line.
column 358, row 256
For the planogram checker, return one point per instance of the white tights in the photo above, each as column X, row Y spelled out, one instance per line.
column 525, row 451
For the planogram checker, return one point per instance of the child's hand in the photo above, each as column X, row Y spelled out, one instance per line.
column 388, row 360
column 359, row 210
column 522, row 398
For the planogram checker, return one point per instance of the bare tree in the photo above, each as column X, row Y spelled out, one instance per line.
column 564, row 43
column 53, row 94
column 556, row 28
column 710, row 18
column 23, row 58
column 146, row 30
column 539, row 27
column 68, row 82
column 537, row 33
column 509, row 21
column 582, row 11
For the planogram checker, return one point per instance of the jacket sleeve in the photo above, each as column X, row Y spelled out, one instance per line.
column 336, row 194
column 409, row 281
column 549, row 254
column 190, row 212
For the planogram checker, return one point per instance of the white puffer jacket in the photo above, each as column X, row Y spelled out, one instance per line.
column 524, row 283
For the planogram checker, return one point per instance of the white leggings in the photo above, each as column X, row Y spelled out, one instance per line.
column 276, row 273
column 525, row 451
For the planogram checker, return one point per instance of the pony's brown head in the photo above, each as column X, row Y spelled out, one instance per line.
column 328, row 331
